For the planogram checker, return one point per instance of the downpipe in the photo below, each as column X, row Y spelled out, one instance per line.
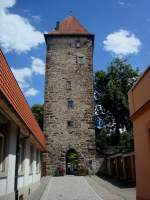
column 17, row 165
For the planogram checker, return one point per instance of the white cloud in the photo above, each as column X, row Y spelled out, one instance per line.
column 7, row 4
column 31, row 92
column 23, row 76
column 36, row 18
column 38, row 66
column 122, row 3
column 125, row 3
column 122, row 43
column 148, row 20
column 16, row 32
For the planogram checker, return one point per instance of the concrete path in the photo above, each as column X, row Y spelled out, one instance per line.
column 111, row 189
column 85, row 188
column 69, row 188
column 38, row 192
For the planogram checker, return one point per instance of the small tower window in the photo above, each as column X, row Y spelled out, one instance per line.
column 81, row 59
column 71, row 124
column 70, row 104
column 68, row 85
column 78, row 44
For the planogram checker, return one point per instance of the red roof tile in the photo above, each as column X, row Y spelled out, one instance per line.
column 11, row 90
column 69, row 26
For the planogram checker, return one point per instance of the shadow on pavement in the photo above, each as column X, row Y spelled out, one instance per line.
column 119, row 183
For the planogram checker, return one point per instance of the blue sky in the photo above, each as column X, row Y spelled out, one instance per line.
column 121, row 28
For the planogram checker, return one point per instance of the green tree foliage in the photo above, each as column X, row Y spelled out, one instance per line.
column 72, row 157
column 111, row 100
column 102, row 140
column 38, row 110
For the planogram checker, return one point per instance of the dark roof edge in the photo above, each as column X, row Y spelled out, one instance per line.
column 69, row 34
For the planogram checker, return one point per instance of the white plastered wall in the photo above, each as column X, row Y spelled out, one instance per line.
column 7, row 181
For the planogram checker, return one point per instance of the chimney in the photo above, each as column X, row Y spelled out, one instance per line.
column 57, row 26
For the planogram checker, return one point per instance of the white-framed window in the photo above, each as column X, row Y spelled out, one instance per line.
column 21, row 156
column 37, row 161
column 31, row 158
column 80, row 59
column 2, row 151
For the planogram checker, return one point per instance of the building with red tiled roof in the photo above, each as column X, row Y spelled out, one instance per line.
column 12, row 92
column 21, row 139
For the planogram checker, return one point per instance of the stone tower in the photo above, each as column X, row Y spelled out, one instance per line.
column 69, row 108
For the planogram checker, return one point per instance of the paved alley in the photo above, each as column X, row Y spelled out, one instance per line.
column 69, row 188
column 76, row 188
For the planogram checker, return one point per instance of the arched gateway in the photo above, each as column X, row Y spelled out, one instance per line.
column 72, row 162
column 69, row 106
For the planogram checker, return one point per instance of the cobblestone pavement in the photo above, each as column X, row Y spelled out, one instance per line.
column 69, row 188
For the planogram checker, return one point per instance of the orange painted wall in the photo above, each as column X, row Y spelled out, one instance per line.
column 142, row 154
column 139, row 104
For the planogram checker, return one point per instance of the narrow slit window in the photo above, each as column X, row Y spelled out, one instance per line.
column 68, row 85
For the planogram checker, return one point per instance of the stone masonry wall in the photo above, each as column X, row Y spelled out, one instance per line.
column 62, row 66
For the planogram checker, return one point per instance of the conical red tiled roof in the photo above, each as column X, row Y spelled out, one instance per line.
column 69, row 26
